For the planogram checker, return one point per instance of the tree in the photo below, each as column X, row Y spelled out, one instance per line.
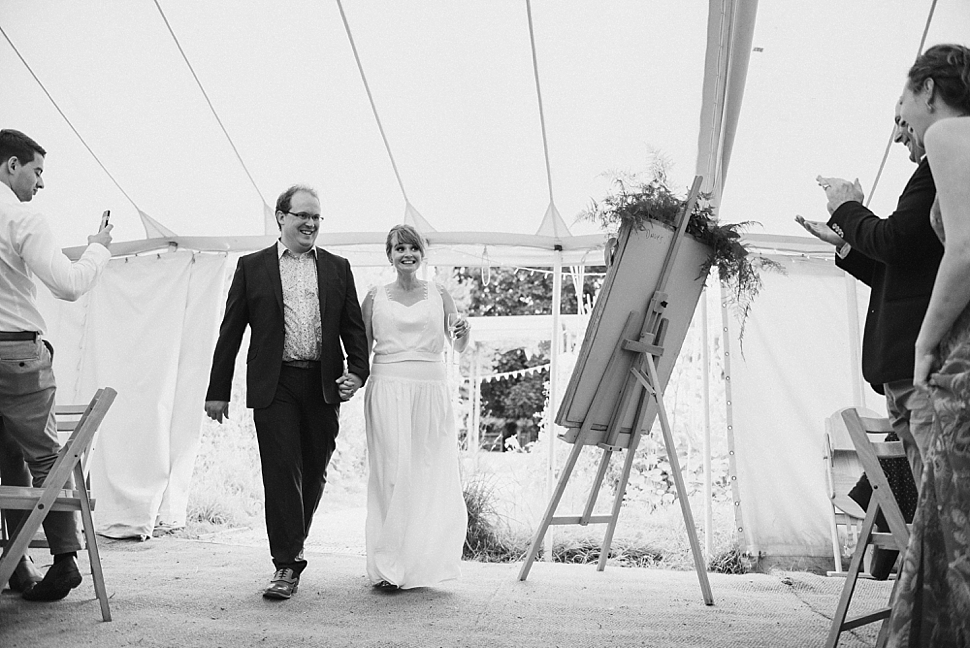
column 510, row 405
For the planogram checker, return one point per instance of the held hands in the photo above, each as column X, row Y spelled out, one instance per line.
column 347, row 385
column 839, row 191
column 821, row 231
column 216, row 410
column 103, row 237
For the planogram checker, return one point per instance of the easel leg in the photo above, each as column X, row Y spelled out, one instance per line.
column 695, row 546
column 553, row 505
column 618, row 500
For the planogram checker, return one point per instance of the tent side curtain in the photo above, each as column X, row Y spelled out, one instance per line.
column 794, row 367
column 155, row 355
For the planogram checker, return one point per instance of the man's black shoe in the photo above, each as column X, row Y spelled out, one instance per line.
column 60, row 579
column 284, row 584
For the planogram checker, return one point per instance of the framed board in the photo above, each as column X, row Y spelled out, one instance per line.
column 619, row 313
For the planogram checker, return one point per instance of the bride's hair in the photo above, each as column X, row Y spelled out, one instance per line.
column 406, row 234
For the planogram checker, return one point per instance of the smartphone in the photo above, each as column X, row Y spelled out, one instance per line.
column 104, row 219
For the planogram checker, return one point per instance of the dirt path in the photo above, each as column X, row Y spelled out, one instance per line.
column 176, row 592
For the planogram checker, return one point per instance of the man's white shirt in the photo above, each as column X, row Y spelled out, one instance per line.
column 27, row 249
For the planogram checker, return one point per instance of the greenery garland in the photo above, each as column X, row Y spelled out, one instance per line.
column 636, row 204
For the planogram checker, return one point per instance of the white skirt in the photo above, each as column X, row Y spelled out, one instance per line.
column 416, row 517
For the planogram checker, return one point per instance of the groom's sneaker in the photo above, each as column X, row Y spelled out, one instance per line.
column 284, row 584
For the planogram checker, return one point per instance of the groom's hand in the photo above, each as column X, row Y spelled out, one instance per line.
column 217, row 410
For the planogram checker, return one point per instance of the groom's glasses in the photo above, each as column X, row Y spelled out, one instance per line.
column 303, row 216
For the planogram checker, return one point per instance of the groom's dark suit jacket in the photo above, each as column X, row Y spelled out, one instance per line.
column 256, row 299
column 897, row 257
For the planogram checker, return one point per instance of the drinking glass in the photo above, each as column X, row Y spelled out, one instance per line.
column 453, row 319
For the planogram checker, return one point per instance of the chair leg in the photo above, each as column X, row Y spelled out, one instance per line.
column 842, row 610
column 883, row 635
column 94, row 557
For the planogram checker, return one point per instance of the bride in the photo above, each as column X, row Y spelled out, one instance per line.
column 416, row 517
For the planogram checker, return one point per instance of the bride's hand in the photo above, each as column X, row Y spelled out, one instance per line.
column 923, row 365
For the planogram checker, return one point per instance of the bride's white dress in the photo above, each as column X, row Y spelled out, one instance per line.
column 416, row 517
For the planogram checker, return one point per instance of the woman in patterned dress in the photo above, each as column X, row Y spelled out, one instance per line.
column 932, row 606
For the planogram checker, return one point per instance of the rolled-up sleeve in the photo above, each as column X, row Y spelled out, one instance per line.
column 66, row 279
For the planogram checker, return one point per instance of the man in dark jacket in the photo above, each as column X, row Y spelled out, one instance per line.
column 897, row 257
column 300, row 304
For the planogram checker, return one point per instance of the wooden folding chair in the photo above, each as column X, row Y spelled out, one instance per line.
column 842, row 471
column 66, row 419
column 869, row 451
column 53, row 497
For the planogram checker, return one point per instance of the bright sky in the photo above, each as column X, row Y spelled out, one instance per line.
column 454, row 87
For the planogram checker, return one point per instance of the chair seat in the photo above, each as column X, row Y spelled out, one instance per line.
column 24, row 498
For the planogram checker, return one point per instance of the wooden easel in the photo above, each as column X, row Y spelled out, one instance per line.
column 642, row 385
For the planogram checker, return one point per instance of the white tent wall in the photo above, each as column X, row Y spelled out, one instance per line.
column 798, row 363
column 147, row 329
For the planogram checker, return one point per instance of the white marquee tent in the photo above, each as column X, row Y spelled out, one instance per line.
column 481, row 121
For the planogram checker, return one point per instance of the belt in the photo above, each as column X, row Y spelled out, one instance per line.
column 18, row 336
column 302, row 364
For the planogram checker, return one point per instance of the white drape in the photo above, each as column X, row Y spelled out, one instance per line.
column 147, row 329
column 798, row 366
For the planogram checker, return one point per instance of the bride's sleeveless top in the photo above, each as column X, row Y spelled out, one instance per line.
column 408, row 333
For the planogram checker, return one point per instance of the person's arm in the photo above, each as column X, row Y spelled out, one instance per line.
column 463, row 329
column 367, row 310
column 905, row 236
column 352, row 331
column 66, row 280
column 231, row 331
column 948, row 150
column 852, row 261
column 858, row 265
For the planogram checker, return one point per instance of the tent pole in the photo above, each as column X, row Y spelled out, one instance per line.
column 553, row 392
column 474, row 441
column 706, row 394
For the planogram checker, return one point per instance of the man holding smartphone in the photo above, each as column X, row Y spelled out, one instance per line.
column 28, row 436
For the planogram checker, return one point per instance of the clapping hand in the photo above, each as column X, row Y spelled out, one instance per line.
column 839, row 191
column 821, row 231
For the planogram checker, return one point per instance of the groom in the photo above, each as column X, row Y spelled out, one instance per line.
column 300, row 303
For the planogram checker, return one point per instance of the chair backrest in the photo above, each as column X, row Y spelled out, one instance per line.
column 868, row 434
column 842, row 465
column 79, row 443
column 67, row 418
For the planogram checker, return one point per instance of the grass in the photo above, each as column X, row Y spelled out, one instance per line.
column 663, row 543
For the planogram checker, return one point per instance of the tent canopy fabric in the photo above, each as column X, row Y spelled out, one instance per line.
column 455, row 89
